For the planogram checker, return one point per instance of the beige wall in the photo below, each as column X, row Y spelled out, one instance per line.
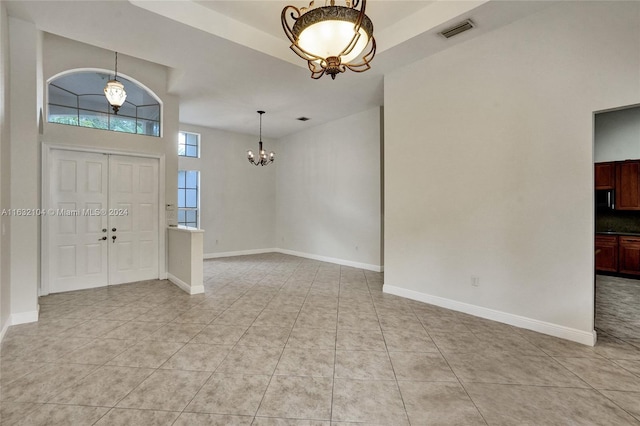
column 328, row 187
column 489, row 165
column 5, row 189
column 237, row 199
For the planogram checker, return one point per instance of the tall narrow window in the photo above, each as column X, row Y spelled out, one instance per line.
column 188, row 198
column 189, row 144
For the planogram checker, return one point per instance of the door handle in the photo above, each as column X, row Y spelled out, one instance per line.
column 113, row 229
column 113, row 239
column 102, row 239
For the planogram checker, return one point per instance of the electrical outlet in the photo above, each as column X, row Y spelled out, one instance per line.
column 475, row 281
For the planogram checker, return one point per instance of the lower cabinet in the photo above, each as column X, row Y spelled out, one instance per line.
column 629, row 257
column 607, row 253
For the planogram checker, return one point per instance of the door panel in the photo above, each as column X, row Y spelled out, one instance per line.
column 77, row 256
column 135, row 191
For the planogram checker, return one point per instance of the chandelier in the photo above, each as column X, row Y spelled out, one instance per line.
column 263, row 159
column 114, row 91
column 331, row 38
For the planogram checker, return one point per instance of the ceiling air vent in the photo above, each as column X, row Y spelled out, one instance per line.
column 303, row 118
column 457, row 29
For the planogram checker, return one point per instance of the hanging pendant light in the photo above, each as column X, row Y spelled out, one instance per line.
column 263, row 158
column 114, row 91
column 331, row 38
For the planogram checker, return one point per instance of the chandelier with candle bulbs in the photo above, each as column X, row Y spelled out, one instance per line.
column 331, row 38
column 263, row 158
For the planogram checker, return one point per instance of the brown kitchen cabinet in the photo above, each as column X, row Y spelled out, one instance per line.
column 628, row 185
column 607, row 253
column 629, row 255
column 605, row 175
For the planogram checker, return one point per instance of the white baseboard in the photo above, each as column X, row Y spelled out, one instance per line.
column 238, row 253
column 198, row 289
column 367, row 266
column 579, row 336
column 23, row 317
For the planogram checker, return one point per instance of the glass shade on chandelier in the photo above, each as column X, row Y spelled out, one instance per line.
column 114, row 91
column 331, row 38
column 263, row 158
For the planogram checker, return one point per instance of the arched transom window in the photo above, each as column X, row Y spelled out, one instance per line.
column 78, row 99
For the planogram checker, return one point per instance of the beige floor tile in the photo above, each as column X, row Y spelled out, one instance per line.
column 306, row 362
column 298, row 398
column 628, row 401
column 230, row 394
column 214, row 334
column 439, row 403
column 363, row 365
column 98, row 351
column 408, row 340
column 129, row 417
column 176, row 332
column 360, row 340
column 40, row 385
column 134, row 330
column 276, row 318
column 632, row 366
column 511, row 343
column 419, row 366
column 11, row 370
column 507, row 369
column 198, row 316
column 55, row 349
column 237, row 317
column 104, row 387
column 197, row 357
column 50, row 414
column 12, row 412
column 201, row 419
column 317, row 319
column 147, row 354
column 367, row 401
column 251, row 360
column 92, row 328
column 457, row 342
column 612, row 348
column 312, row 338
column 167, row 390
column 602, row 374
column 532, row 405
column 271, row 421
column 265, row 336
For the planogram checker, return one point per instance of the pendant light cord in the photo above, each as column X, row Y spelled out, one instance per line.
column 116, row 76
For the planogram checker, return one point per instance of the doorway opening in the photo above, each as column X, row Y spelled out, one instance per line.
column 617, row 223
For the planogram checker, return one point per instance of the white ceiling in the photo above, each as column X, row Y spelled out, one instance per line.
column 228, row 59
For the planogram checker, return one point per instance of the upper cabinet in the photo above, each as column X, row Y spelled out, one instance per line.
column 628, row 185
column 605, row 175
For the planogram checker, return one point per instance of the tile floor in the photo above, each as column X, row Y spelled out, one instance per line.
column 280, row 340
column 618, row 307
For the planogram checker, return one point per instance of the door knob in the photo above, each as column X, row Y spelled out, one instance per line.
column 113, row 239
column 113, row 229
column 104, row 229
column 102, row 239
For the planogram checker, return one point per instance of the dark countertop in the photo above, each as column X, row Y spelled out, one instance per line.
column 630, row 234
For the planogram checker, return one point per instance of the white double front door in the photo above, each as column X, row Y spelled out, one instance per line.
column 102, row 220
